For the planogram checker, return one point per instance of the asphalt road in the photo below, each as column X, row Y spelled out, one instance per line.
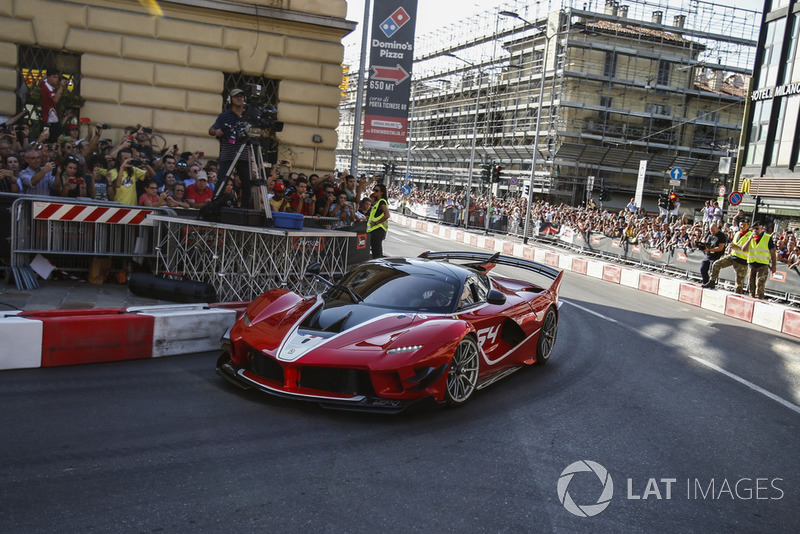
column 692, row 416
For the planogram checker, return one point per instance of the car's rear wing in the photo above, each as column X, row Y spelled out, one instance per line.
column 485, row 261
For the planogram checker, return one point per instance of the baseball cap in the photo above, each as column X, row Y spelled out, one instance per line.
column 201, row 176
column 757, row 223
column 278, row 186
column 235, row 92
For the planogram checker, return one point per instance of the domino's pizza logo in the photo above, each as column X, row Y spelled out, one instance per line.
column 396, row 20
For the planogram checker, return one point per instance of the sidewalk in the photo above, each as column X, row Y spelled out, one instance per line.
column 68, row 294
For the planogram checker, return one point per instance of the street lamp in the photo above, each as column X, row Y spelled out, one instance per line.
column 474, row 137
column 536, row 134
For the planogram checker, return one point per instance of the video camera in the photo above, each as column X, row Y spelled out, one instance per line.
column 259, row 123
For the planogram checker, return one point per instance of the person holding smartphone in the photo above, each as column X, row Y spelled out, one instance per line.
column 70, row 183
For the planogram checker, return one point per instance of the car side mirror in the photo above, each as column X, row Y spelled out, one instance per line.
column 495, row 297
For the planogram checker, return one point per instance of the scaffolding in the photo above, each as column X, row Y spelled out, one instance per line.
column 623, row 81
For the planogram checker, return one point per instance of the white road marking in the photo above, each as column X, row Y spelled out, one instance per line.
column 587, row 310
column 759, row 389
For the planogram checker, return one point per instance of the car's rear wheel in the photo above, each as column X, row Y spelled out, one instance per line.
column 462, row 378
column 547, row 337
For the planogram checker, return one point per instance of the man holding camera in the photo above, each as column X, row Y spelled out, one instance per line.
column 714, row 247
column 52, row 88
column 229, row 145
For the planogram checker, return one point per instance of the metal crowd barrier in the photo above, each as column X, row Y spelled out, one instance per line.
column 783, row 285
column 70, row 232
column 242, row 262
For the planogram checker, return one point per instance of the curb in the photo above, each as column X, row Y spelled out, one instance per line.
column 777, row 317
column 55, row 338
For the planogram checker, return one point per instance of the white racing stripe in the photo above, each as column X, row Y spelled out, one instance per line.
column 587, row 310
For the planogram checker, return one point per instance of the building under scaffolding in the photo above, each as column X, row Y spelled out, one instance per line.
column 598, row 87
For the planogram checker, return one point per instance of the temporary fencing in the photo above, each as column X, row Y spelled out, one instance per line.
column 242, row 262
column 70, row 232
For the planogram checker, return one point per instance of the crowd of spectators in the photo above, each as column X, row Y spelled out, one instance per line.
column 136, row 171
column 83, row 164
column 662, row 231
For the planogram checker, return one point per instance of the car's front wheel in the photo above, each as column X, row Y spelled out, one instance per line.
column 547, row 337
column 462, row 377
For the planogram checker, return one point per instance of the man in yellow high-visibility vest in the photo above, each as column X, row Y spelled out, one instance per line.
column 737, row 257
column 761, row 258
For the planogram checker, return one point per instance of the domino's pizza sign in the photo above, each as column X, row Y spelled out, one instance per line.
column 389, row 86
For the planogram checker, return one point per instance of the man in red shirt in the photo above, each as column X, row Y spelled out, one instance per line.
column 302, row 201
column 199, row 194
column 52, row 88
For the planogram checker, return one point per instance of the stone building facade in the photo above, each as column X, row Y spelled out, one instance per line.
column 170, row 71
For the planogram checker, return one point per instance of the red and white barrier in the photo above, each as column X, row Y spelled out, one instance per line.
column 92, row 335
column 55, row 211
column 186, row 328
column 22, row 342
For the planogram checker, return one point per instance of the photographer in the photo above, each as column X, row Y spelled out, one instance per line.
column 342, row 209
column 99, row 188
column 37, row 178
column 52, row 87
column 301, row 200
column 69, row 182
column 326, row 200
column 124, row 177
column 9, row 173
column 713, row 244
column 230, row 144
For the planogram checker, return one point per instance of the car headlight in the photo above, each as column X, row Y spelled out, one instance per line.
column 410, row 348
column 246, row 318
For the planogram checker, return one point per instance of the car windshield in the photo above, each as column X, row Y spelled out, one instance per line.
column 391, row 288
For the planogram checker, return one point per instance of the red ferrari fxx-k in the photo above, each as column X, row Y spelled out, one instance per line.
column 394, row 331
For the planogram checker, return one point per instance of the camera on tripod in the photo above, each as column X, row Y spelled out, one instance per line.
column 260, row 122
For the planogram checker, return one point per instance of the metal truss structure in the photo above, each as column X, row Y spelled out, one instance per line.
column 243, row 262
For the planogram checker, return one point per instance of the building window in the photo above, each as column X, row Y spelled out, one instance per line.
column 708, row 116
column 268, row 88
column 610, row 67
column 786, row 128
column 757, row 148
column 34, row 63
column 792, row 61
column 664, row 69
column 659, row 109
column 771, row 56
column 605, row 102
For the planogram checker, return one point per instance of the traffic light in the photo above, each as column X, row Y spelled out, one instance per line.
column 496, row 173
column 604, row 195
column 386, row 168
column 672, row 201
column 392, row 169
column 486, row 173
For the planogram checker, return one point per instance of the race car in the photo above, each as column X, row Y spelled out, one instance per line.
column 395, row 331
